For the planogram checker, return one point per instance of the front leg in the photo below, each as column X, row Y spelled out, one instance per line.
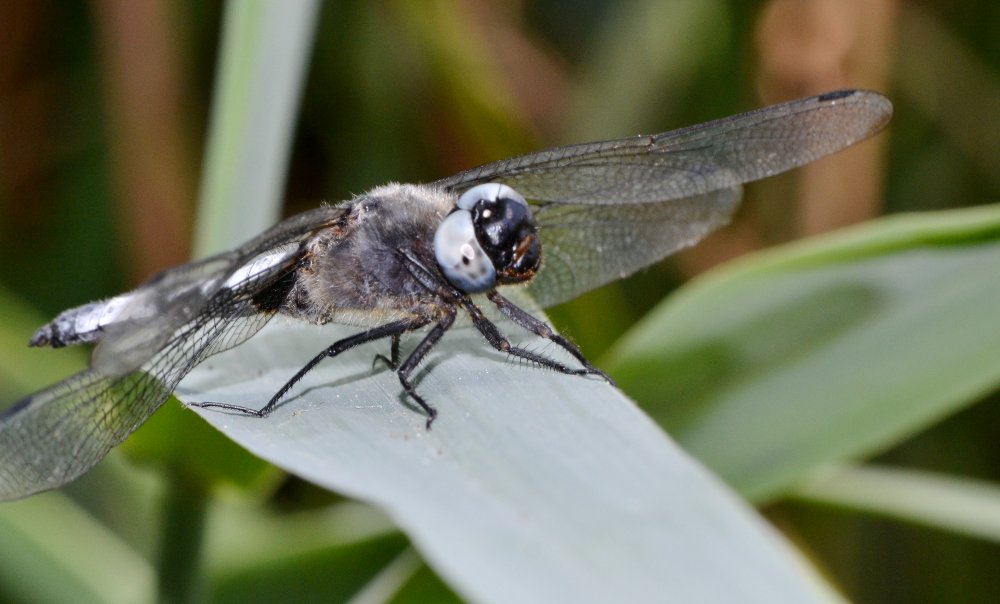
column 539, row 328
column 501, row 343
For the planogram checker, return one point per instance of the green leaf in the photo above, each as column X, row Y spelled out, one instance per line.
column 422, row 586
column 531, row 485
column 830, row 349
column 966, row 506
column 53, row 551
column 322, row 555
column 265, row 47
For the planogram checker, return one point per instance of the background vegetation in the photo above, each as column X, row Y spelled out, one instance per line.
column 103, row 112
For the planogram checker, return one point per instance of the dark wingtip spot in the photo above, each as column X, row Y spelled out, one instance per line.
column 836, row 94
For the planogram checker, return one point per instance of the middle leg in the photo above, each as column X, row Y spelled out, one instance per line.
column 418, row 354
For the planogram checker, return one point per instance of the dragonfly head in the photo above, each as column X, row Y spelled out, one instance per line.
column 489, row 238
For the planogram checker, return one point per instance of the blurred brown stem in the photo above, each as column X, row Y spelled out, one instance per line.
column 146, row 112
column 809, row 47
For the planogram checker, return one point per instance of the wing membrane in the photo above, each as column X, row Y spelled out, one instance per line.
column 170, row 299
column 607, row 209
column 57, row 434
column 691, row 161
column 586, row 246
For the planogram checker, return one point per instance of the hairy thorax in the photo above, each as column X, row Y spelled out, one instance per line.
column 355, row 274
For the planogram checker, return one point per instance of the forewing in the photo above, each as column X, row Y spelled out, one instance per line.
column 608, row 209
column 587, row 246
column 699, row 159
column 152, row 312
column 57, row 434
column 142, row 321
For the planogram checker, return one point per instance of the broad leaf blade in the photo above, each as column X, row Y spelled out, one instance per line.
column 818, row 352
column 531, row 486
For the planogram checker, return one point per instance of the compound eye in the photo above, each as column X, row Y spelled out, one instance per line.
column 505, row 228
column 461, row 258
column 489, row 192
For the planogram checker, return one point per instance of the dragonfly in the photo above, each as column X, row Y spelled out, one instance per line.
column 405, row 258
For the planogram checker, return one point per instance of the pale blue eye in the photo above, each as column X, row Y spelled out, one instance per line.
column 460, row 256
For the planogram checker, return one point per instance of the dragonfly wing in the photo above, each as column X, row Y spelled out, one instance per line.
column 644, row 197
column 57, row 434
column 153, row 313
column 131, row 328
column 53, row 436
column 690, row 161
column 588, row 246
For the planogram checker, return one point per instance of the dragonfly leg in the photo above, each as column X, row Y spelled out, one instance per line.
column 394, row 329
column 393, row 359
column 418, row 354
column 522, row 318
